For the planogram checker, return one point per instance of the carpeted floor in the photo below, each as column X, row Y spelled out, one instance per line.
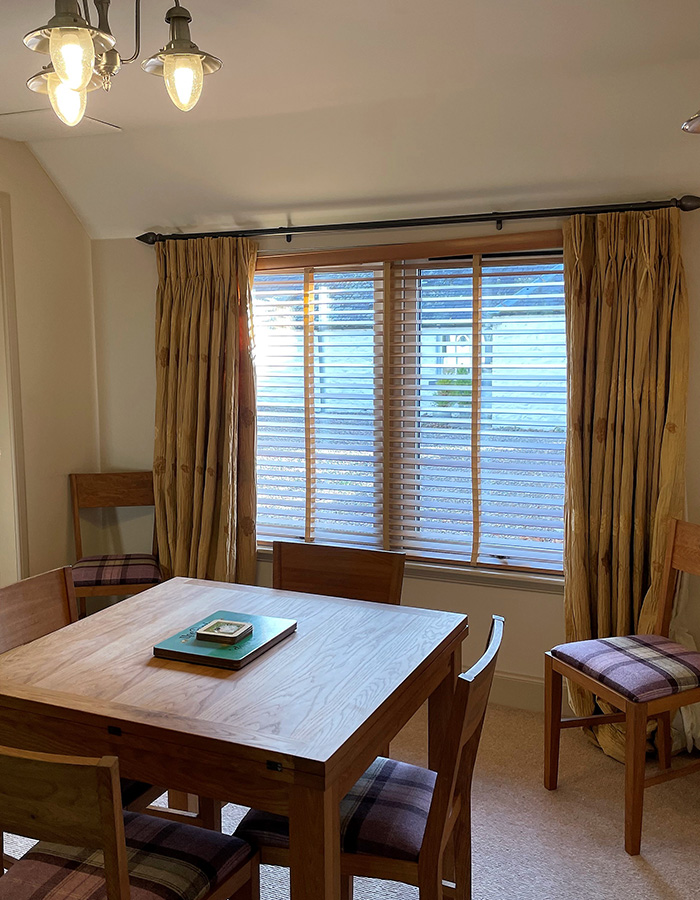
column 530, row 844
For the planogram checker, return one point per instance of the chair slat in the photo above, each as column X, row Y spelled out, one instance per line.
column 110, row 489
column 54, row 798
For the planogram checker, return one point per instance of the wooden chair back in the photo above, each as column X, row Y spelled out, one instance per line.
column 374, row 575
column 452, row 795
column 682, row 555
column 36, row 606
column 108, row 490
column 67, row 800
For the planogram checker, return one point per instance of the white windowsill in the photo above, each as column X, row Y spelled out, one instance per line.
column 513, row 581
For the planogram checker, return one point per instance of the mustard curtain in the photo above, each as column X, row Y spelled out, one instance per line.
column 204, row 458
column 627, row 347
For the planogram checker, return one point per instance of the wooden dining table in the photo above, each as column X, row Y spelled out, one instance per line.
column 290, row 733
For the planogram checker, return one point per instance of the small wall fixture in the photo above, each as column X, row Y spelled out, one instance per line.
column 84, row 57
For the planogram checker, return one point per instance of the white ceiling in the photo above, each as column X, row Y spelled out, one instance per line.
column 328, row 110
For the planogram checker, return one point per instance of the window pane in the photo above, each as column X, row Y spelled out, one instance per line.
column 431, row 408
column 346, row 407
column 279, row 353
column 319, row 417
column 522, row 422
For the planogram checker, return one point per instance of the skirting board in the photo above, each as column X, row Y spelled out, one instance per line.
column 521, row 692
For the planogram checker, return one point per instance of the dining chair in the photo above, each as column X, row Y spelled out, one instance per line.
column 112, row 574
column 375, row 575
column 642, row 675
column 89, row 847
column 398, row 818
column 37, row 606
column 40, row 605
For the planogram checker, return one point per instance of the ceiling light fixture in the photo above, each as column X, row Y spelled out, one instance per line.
column 84, row 57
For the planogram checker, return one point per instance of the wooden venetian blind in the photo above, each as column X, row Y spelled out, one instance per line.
column 415, row 405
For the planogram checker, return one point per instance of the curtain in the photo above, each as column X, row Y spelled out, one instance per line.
column 204, row 458
column 627, row 348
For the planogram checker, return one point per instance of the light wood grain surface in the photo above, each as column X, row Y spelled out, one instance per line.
column 297, row 726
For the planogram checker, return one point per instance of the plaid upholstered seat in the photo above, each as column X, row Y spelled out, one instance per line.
column 167, row 861
column 132, row 568
column 384, row 814
column 640, row 667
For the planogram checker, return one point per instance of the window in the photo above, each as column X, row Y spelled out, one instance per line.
column 416, row 405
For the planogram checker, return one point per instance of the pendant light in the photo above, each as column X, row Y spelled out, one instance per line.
column 68, row 108
column 181, row 63
column 72, row 43
column 84, row 57
column 72, row 56
column 69, row 105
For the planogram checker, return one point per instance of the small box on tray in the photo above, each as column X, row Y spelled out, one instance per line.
column 224, row 631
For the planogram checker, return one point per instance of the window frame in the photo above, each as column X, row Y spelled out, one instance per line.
column 551, row 241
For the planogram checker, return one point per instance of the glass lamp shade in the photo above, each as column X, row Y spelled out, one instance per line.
column 73, row 56
column 69, row 105
column 184, row 77
column 692, row 126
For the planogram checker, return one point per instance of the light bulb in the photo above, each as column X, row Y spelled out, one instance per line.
column 73, row 56
column 69, row 105
column 184, row 77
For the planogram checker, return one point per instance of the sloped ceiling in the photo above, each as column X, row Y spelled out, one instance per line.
column 335, row 110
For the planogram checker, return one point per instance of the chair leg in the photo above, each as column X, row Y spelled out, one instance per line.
column 209, row 813
column 82, row 607
column 463, row 850
column 552, row 723
column 663, row 739
column 635, row 758
column 430, row 885
column 346, row 887
column 251, row 889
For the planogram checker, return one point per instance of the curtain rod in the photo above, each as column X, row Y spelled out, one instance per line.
column 687, row 203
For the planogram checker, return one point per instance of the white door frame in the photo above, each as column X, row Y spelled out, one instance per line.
column 9, row 338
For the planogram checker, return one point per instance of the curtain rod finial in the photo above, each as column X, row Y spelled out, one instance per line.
column 689, row 202
column 150, row 237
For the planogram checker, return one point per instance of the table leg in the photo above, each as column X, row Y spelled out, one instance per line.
column 314, row 844
column 439, row 709
column 181, row 800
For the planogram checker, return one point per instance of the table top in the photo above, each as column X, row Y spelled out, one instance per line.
column 303, row 698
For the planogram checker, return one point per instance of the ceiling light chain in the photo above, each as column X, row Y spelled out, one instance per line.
column 84, row 58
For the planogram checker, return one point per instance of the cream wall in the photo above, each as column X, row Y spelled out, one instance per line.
column 55, row 346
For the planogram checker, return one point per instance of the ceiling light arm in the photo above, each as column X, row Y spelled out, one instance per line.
column 86, row 11
column 102, row 7
column 137, row 34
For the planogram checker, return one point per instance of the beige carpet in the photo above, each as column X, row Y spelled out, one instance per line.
column 567, row 845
